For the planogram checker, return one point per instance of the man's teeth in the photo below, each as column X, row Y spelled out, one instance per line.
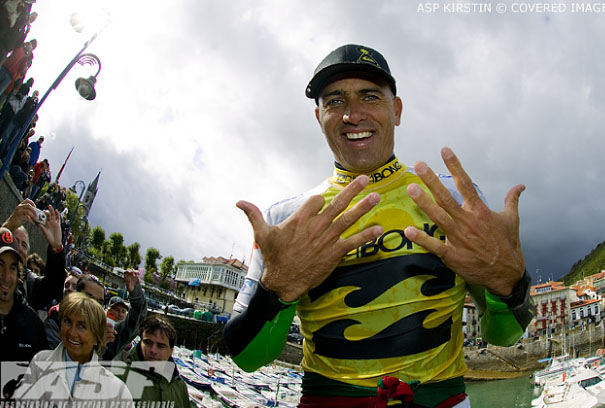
column 353, row 136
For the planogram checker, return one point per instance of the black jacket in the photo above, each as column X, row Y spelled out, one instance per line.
column 21, row 332
column 41, row 290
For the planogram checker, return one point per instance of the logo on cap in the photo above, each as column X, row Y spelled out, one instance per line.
column 366, row 57
column 7, row 237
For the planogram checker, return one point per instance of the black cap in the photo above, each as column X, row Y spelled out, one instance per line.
column 8, row 243
column 349, row 58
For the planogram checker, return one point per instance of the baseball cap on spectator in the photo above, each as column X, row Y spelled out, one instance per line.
column 8, row 243
column 116, row 300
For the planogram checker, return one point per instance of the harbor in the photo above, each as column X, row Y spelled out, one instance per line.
column 510, row 373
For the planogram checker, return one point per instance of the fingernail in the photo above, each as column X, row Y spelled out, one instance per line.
column 363, row 180
column 447, row 153
column 413, row 190
column 421, row 168
column 374, row 198
column 410, row 232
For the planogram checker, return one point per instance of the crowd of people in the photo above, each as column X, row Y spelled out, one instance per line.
column 61, row 322
column 18, row 101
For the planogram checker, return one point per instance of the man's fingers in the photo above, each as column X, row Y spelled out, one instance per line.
column 254, row 215
column 361, row 238
column 440, row 193
column 349, row 217
column 431, row 244
column 434, row 211
column 341, row 201
column 463, row 181
column 511, row 201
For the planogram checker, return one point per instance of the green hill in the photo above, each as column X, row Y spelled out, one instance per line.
column 592, row 263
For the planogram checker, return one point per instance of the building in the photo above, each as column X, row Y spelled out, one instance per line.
column 586, row 311
column 471, row 326
column 89, row 197
column 552, row 307
column 212, row 284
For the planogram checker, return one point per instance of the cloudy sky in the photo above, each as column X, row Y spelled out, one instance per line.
column 201, row 103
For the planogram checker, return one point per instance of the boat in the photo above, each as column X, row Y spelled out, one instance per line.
column 582, row 387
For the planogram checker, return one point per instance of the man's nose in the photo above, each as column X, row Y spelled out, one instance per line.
column 353, row 113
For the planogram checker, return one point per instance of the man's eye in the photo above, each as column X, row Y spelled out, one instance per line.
column 370, row 98
column 334, row 102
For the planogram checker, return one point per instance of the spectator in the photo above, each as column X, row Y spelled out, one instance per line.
column 117, row 309
column 152, row 359
column 36, row 264
column 87, row 284
column 21, row 331
column 39, row 290
column 126, row 330
column 70, row 375
column 39, row 182
column 17, row 65
column 15, row 23
column 19, row 171
column 36, row 147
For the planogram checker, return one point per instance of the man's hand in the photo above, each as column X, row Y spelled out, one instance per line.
column 110, row 333
column 482, row 246
column 52, row 228
column 131, row 277
column 304, row 249
column 24, row 212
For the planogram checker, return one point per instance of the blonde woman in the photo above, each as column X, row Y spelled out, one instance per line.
column 72, row 372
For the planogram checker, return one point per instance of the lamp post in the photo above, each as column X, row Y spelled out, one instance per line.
column 86, row 89
column 73, row 216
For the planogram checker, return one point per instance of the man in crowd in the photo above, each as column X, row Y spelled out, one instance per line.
column 40, row 291
column 158, row 378
column 21, row 331
column 117, row 308
column 35, row 154
column 126, row 329
column 378, row 259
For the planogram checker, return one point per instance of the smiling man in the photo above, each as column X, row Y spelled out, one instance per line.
column 377, row 260
column 21, row 331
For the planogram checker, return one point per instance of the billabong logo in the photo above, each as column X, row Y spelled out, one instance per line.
column 7, row 237
column 366, row 57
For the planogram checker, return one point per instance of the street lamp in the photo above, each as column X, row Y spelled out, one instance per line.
column 73, row 216
column 90, row 94
column 86, row 86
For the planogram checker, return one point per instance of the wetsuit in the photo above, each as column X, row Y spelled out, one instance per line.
column 389, row 308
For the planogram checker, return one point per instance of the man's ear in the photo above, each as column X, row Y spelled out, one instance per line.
column 317, row 114
column 398, row 109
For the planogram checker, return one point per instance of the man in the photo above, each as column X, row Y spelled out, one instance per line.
column 364, row 261
column 118, row 308
column 152, row 374
column 36, row 264
column 40, row 291
column 127, row 328
column 35, row 154
column 21, row 331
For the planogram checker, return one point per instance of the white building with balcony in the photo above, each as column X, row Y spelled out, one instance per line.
column 212, row 284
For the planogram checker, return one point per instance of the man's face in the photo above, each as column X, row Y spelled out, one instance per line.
column 155, row 346
column 120, row 311
column 95, row 291
column 9, row 270
column 22, row 242
column 358, row 118
column 69, row 285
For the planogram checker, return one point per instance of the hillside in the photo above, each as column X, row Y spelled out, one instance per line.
column 592, row 263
